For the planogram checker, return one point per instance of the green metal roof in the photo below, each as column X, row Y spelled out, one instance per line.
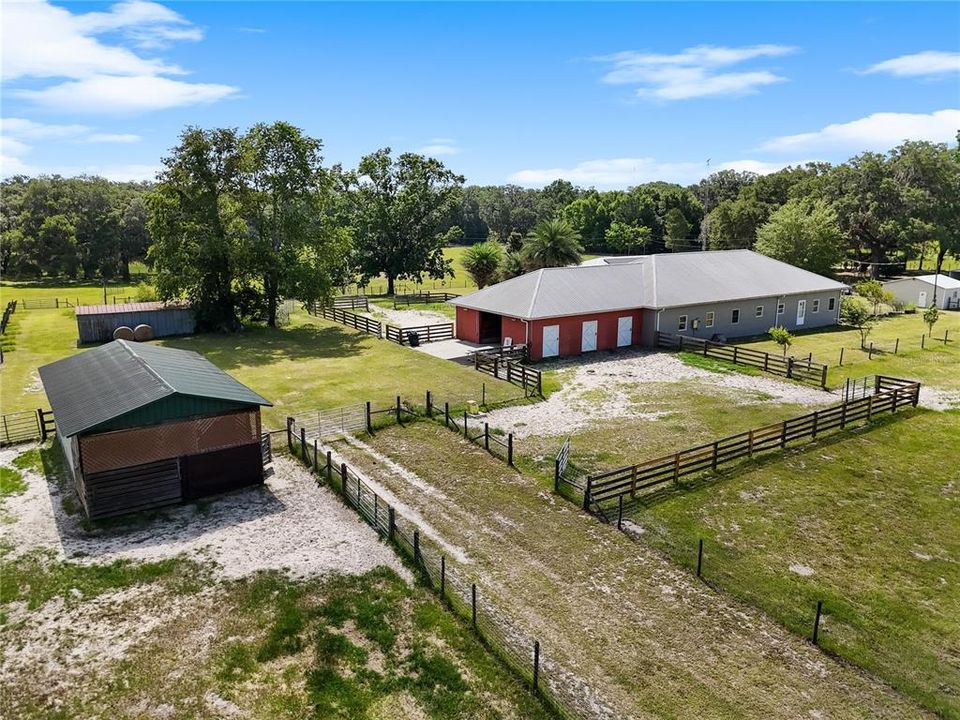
column 100, row 385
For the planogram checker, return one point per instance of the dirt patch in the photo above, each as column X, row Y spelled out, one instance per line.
column 602, row 389
column 935, row 399
column 258, row 528
column 406, row 318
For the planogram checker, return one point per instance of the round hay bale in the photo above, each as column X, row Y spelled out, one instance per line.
column 123, row 333
column 142, row 332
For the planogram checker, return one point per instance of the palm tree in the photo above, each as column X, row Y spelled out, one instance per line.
column 482, row 262
column 553, row 243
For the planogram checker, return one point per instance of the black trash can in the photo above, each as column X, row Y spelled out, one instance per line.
column 413, row 339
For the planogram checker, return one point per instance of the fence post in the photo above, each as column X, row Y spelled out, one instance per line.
column 680, row 344
column 369, row 418
column 620, row 513
column 398, row 411
column 343, row 479
column 536, row 665
column 750, row 444
column 510, row 449
column 870, row 351
column 416, row 547
column 43, row 424
column 896, row 398
column 945, row 334
column 841, row 357
column 816, row 622
column 843, row 414
column 465, row 434
column 303, row 446
column 429, row 404
column 823, row 377
column 869, row 407
column 586, row 493
column 556, row 475
column 896, row 346
column 676, row 467
column 443, row 575
column 735, row 349
column 391, row 522
column 316, row 453
column 329, row 467
column 290, row 434
column 713, row 462
column 486, row 436
column 922, row 341
column 473, row 605
column 446, row 414
column 789, row 367
column 816, row 417
column 783, row 435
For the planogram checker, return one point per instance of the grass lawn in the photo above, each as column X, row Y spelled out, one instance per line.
column 88, row 293
column 310, row 364
column 936, row 365
column 867, row 522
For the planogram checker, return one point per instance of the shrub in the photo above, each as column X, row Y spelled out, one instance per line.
column 782, row 337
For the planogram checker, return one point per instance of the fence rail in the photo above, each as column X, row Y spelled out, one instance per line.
column 345, row 317
column 422, row 298
column 804, row 369
column 888, row 395
column 530, row 379
column 520, row 652
column 26, row 425
column 350, row 302
column 424, row 333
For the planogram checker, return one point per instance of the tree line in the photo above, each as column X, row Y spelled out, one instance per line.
column 237, row 221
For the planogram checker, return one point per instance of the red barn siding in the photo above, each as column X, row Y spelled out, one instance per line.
column 513, row 329
column 468, row 325
column 571, row 332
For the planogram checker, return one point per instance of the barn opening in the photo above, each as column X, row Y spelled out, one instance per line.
column 491, row 328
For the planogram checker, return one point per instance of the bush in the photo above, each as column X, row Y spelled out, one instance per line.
column 144, row 292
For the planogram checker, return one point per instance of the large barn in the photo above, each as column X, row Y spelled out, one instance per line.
column 142, row 426
column 618, row 302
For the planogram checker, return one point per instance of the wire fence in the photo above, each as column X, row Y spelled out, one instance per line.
column 559, row 689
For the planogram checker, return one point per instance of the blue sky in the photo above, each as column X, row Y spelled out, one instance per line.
column 603, row 94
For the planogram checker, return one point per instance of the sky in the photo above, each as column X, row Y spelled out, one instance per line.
column 603, row 94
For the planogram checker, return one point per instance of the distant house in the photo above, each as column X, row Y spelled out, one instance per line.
column 618, row 302
column 919, row 290
column 143, row 426
column 97, row 323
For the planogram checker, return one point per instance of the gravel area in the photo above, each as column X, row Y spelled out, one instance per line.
column 407, row 318
column 605, row 388
column 289, row 523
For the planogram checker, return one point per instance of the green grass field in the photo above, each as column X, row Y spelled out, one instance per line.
column 309, row 364
column 937, row 364
column 866, row 521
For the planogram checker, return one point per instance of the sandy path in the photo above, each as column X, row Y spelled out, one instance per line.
column 407, row 318
column 289, row 524
column 648, row 638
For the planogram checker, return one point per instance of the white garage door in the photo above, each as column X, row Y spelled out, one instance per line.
column 588, row 336
column 625, row 331
column 551, row 340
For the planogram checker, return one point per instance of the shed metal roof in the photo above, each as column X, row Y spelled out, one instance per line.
column 99, row 385
column 129, row 307
column 943, row 281
column 645, row 281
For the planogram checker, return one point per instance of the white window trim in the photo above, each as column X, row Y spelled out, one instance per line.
column 708, row 319
column 815, row 306
column 682, row 323
column 831, row 304
column 758, row 312
column 781, row 307
column 737, row 321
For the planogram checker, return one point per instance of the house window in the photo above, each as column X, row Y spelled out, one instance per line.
column 816, row 306
column 708, row 319
column 759, row 311
column 779, row 308
column 735, row 316
column 831, row 303
column 682, row 323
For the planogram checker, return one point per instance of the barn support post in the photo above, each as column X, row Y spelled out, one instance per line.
column 536, row 665
column 290, row 434
column 369, row 418
column 510, row 448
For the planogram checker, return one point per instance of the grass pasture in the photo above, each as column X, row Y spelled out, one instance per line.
column 865, row 521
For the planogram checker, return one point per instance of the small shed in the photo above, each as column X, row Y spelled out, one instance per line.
column 142, row 426
column 919, row 290
column 97, row 323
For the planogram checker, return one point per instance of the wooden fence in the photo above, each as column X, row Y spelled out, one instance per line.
column 26, row 425
column 889, row 395
column 9, row 310
column 345, row 317
column 350, row 302
column 803, row 370
column 422, row 298
column 480, row 434
column 530, row 379
column 424, row 333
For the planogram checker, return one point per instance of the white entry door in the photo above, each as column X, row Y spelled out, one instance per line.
column 625, row 331
column 588, row 336
column 922, row 300
column 551, row 340
column 801, row 311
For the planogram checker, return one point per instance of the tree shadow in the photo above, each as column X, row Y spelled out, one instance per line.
column 175, row 525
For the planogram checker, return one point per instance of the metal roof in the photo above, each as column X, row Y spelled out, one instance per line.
column 129, row 307
column 645, row 281
column 98, row 385
column 944, row 281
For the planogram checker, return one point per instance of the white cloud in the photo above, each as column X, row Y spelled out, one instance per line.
column 616, row 172
column 929, row 63
column 112, row 138
column 760, row 167
column 119, row 94
column 694, row 72
column 43, row 41
column 440, row 146
column 880, row 131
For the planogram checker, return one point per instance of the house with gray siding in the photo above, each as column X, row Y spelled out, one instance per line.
column 615, row 302
column 920, row 290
